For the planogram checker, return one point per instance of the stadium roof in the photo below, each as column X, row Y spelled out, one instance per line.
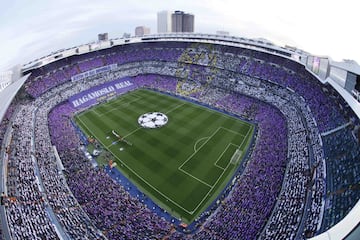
column 348, row 65
column 9, row 93
column 339, row 231
column 344, row 228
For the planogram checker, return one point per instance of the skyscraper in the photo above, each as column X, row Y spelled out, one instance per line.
column 182, row 22
column 163, row 22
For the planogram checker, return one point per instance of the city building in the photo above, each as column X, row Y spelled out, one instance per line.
column 141, row 31
column 126, row 35
column 103, row 37
column 164, row 22
column 222, row 33
column 182, row 22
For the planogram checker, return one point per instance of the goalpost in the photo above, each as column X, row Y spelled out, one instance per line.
column 236, row 156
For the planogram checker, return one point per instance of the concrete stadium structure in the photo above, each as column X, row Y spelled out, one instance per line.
column 340, row 77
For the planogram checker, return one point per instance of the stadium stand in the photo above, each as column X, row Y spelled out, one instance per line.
column 301, row 178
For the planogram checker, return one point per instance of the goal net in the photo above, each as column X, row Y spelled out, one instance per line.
column 236, row 156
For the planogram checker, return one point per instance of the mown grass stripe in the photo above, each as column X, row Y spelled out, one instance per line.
column 153, row 160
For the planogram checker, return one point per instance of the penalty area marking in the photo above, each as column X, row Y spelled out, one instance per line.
column 223, row 154
column 161, row 193
column 196, row 143
column 249, row 130
column 199, row 180
column 224, row 169
column 212, row 135
column 157, row 190
column 189, row 158
column 192, row 212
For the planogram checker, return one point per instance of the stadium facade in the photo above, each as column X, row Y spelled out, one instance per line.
column 319, row 98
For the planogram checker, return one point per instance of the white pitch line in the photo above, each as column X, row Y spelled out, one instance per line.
column 195, row 178
column 245, row 137
column 211, row 187
column 85, row 125
column 215, row 164
column 175, row 108
column 162, row 194
column 158, row 191
column 198, row 142
column 242, row 122
column 199, row 148
column 232, row 131
column 137, row 129
column 115, row 107
column 141, row 127
column 112, row 144
column 192, row 212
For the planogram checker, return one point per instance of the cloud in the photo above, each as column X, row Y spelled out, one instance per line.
column 320, row 27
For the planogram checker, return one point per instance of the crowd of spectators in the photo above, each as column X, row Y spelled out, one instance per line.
column 7, row 119
column 35, row 186
column 108, row 204
column 26, row 211
column 201, row 62
column 278, row 196
column 266, row 67
column 57, row 73
column 243, row 214
column 66, row 208
column 342, row 154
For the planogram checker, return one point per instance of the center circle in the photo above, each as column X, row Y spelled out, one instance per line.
column 152, row 120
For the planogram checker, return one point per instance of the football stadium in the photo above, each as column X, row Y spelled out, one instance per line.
column 181, row 136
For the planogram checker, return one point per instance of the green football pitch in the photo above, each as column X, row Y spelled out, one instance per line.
column 182, row 166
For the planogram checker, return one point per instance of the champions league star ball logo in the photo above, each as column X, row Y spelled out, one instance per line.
column 152, row 120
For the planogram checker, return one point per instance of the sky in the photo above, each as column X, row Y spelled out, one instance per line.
column 32, row 29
